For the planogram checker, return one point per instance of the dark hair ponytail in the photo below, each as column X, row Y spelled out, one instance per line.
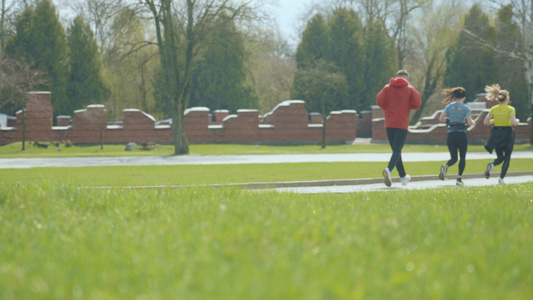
column 453, row 94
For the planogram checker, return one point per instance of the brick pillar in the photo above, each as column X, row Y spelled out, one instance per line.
column 38, row 117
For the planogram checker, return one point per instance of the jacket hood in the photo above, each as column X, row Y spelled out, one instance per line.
column 398, row 82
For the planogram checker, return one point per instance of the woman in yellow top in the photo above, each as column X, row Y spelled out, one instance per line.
column 502, row 136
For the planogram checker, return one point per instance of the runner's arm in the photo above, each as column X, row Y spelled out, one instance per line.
column 470, row 121
column 443, row 117
column 487, row 119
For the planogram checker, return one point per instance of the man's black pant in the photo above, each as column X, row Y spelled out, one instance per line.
column 397, row 138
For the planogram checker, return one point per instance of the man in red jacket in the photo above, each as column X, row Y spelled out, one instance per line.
column 397, row 99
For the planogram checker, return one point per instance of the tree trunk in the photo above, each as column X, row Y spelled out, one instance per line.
column 101, row 138
column 23, row 130
column 181, row 144
column 429, row 88
column 324, row 132
column 324, row 122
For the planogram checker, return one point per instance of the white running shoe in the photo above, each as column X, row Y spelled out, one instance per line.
column 405, row 180
column 443, row 170
column 500, row 181
column 386, row 176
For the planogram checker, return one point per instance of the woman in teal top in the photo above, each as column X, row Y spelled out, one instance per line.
column 457, row 116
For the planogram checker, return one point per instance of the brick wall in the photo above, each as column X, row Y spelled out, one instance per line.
column 287, row 123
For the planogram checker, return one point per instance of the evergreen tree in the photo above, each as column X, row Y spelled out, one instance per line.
column 323, row 87
column 314, row 44
column 40, row 39
column 347, row 52
column 469, row 64
column 219, row 79
column 511, row 71
column 381, row 61
column 85, row 85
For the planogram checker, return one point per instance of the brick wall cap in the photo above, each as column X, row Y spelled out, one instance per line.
column 193, row 109
column 266, row 126
column 230, row 117
column 221, row 111
column 430, row 129
column 284, row 103
column 315, row 125
column 40, row 93
column 79, row 111
column 378, row 119
column 8, row 128
column 149, row 116
column 113, row 127
column 61, row 128
column 477, row 105
column 169, row 121
column 96, row 106
column 348, row 111
column 216, row 127
column 162, row 127
column 247, row 110
column 63, row 117
column 315, row 114
column 20, row 111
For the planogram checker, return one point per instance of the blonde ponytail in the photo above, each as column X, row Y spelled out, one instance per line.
column 496, row 93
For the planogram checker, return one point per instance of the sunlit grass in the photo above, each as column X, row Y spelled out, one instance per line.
column 14, row 150
column 226, row 174
column 61, row 242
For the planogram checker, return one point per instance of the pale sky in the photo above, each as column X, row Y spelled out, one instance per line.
column 287, row 13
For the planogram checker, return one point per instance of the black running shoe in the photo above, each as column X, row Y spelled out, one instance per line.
column 488, row 171
column 460, row 182
column 443, row 170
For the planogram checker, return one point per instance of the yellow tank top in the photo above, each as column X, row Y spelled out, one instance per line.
column 502, row 114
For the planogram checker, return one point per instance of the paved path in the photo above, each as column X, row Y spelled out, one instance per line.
column 326, row 186
column 415, row 185
column 19, row 163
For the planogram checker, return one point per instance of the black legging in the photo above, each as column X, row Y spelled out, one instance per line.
column 504, row 155
column 503, row 140
column 457, row 141
column 397, row 138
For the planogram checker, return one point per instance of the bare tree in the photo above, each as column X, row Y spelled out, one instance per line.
column 181, row 27
column 99, row 14
column 434, row 32
column 6, row 26
column 16, row 80
column 395, row 14
column 523, row 12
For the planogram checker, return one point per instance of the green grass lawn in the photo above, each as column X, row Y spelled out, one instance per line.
column 13, row 150
column 61, row 242
column 226, row 174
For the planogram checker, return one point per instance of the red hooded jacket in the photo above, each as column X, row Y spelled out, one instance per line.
column 397, row 99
